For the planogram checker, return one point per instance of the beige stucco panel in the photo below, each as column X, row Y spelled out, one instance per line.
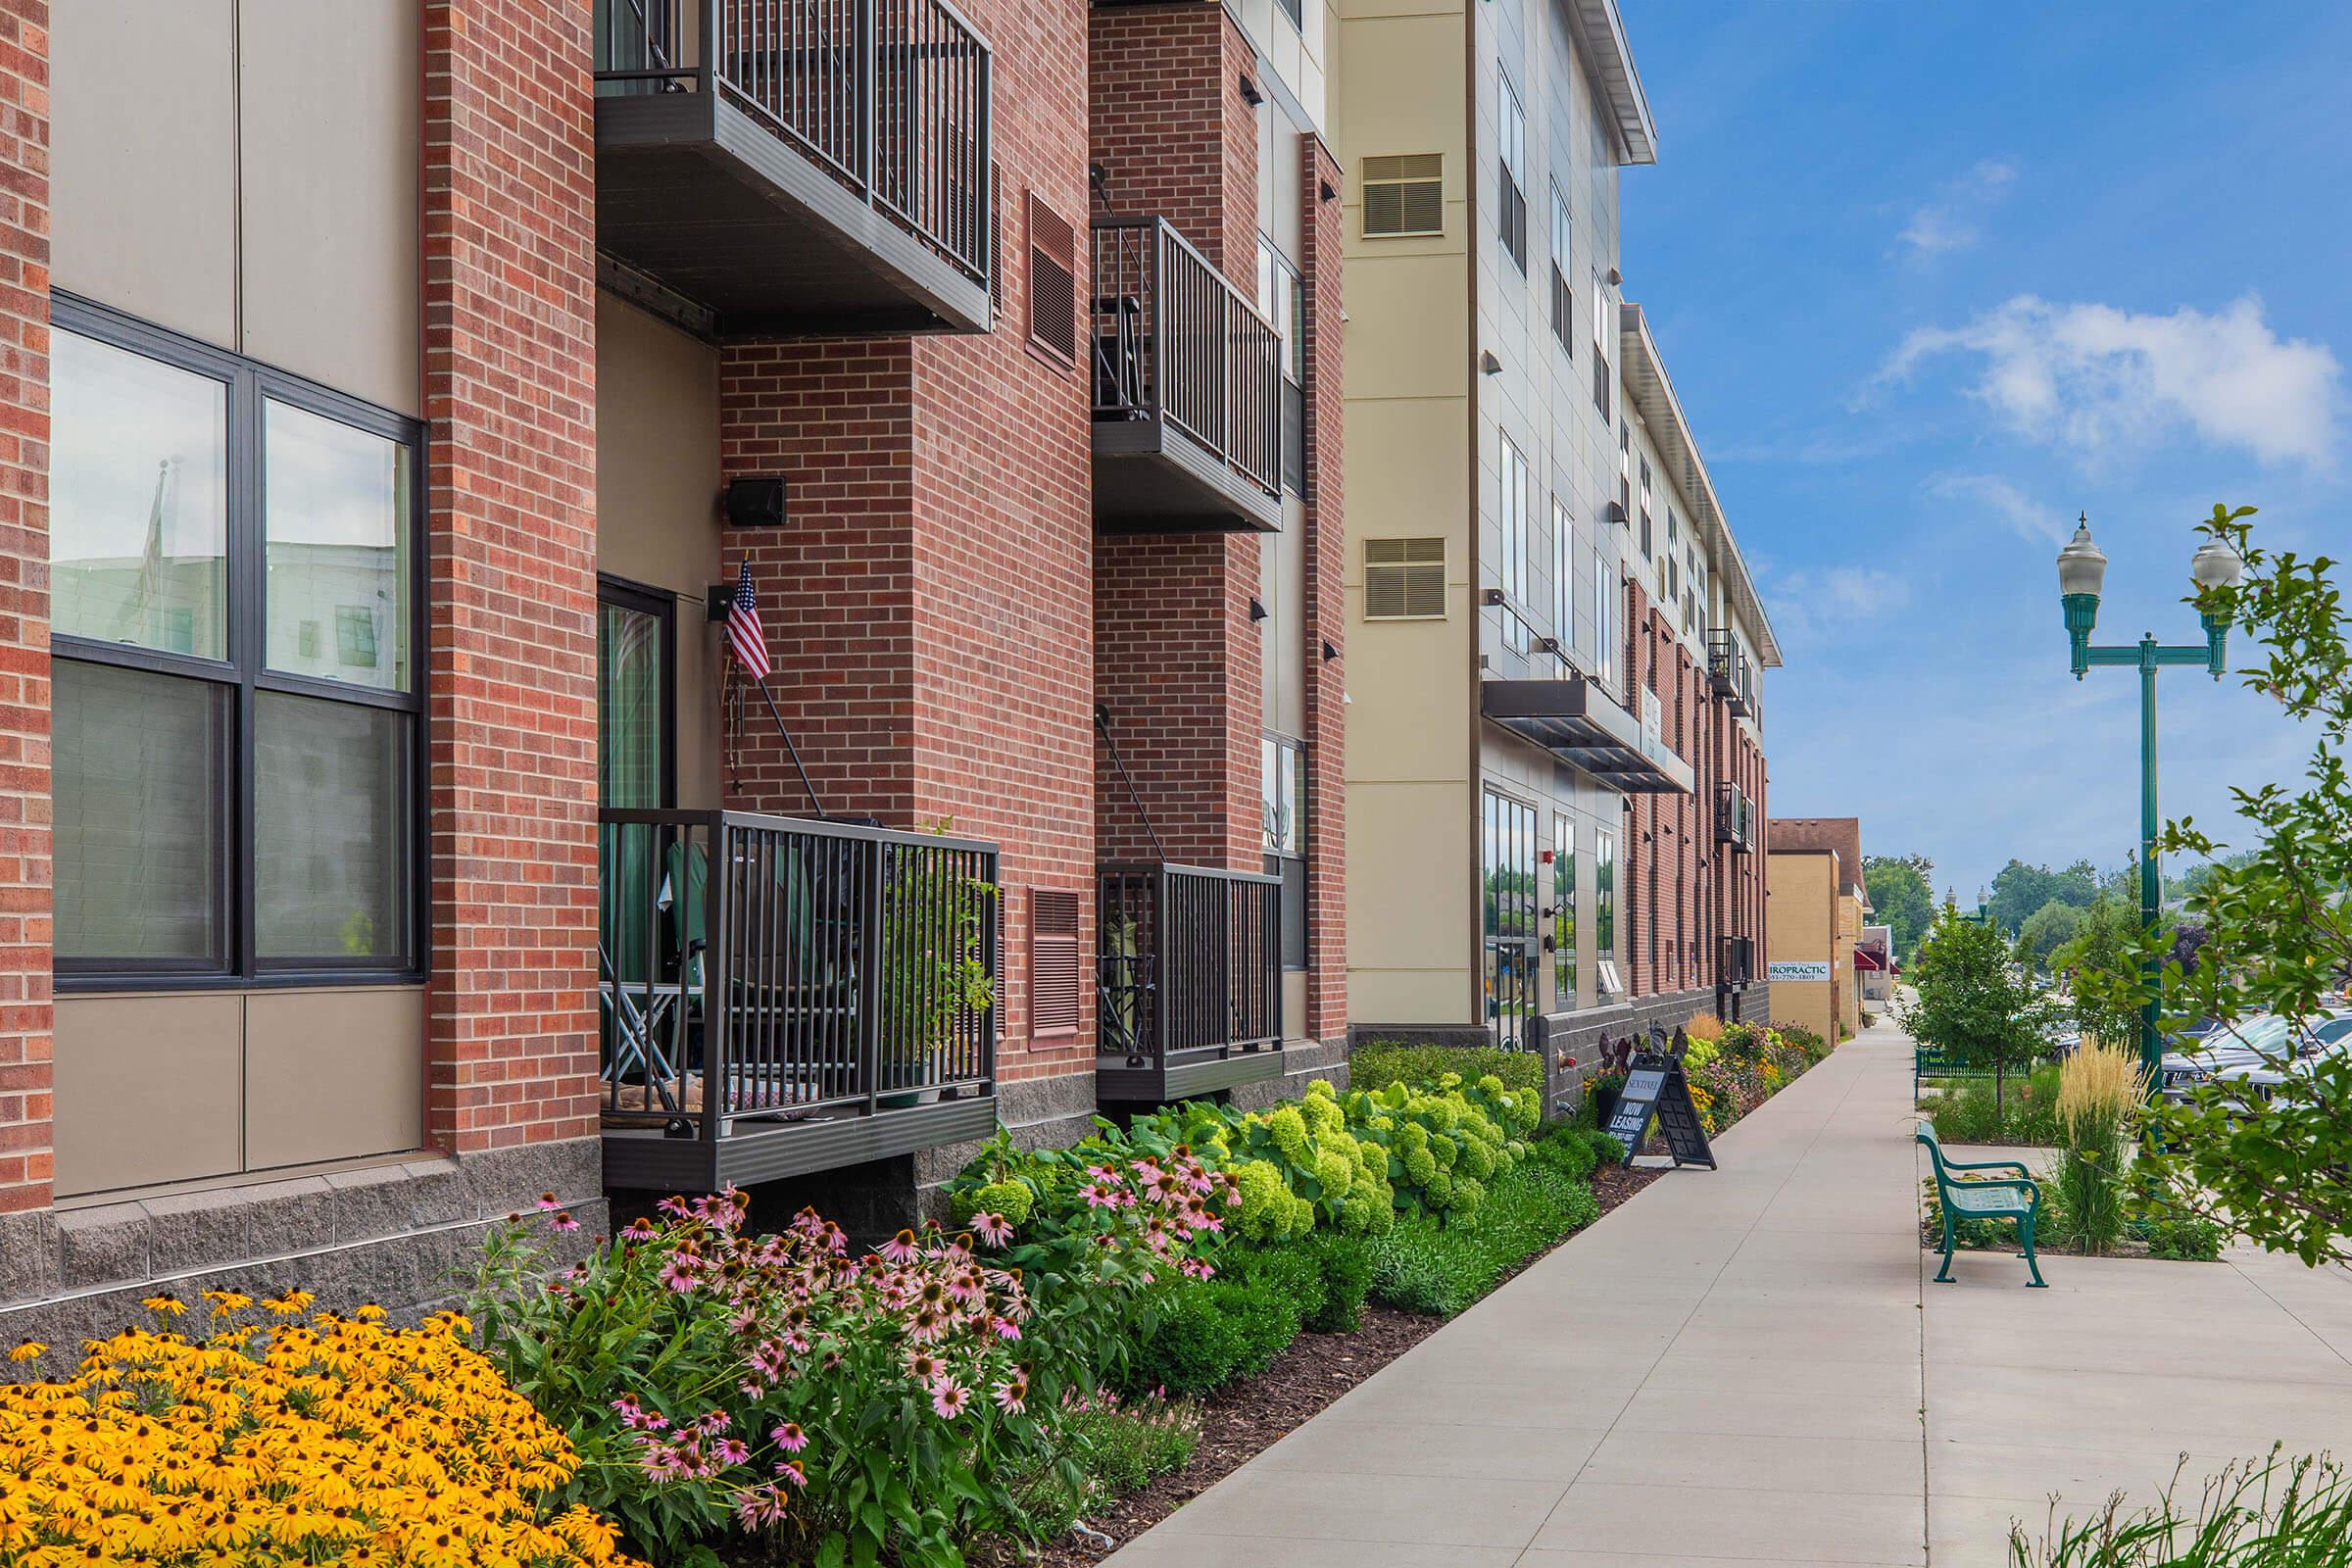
column 331, row 148
column 1409, row 724
column 148, row 1090
column 1408, row 476
column 1408, row 876
column 143, row 160
column 657, row 503
column 333, row 1074
column 1801, row 895
column 1407, row 337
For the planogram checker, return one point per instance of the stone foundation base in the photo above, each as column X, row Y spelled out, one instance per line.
column 395, row 1235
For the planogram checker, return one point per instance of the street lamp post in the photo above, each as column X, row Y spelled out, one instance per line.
column 2081, row 572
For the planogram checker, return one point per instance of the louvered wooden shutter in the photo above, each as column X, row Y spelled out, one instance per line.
column 1405, row 579
column 996, row 242
column 1404, row 195
column 1052, row 281
column 1053, row 987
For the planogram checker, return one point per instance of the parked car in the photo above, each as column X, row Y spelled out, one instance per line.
column 2329, row 1026
column 2259, row 1080
column 2249, row 1043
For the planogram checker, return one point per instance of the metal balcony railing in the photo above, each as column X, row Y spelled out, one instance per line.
column 891, row 97
column 1734, row 816
column 759, row 970
column 1189, row 962
column 1174, row 341
column 1731, row 673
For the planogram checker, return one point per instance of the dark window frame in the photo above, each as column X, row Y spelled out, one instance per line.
column 622, row 593
column 251, row 386
column 1279, row 861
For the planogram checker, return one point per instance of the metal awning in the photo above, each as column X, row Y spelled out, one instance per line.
column 1867, row 957
column 1581, row 725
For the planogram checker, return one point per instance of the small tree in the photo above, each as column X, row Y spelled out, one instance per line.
column 1972, row 1003
column 2101, row 962
column 2046, row 931
column 2277, row 924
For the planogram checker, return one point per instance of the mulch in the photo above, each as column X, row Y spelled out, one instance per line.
column 1248, row 1418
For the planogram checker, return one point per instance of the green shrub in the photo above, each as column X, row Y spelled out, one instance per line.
column 1291, row 1271
column 1110, row 1446
column 1386, row 1062
column 1423, row 1267
column 1346, row 1262
column 1208, row 1333
column 1805, row 1040
column 2182, row 1238
column 1965, row 1112
column 1567, row 1150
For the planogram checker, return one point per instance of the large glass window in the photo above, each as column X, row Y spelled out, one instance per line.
column 1510, row 936
column 1512, row 505
column 1605, row 911
column 1512, row 205
column 1281, row 784
column 1563, row 902
column 138, row 497
column 1563, row 574
column 235, row 692
column 1604, row 329
column 1604, row 627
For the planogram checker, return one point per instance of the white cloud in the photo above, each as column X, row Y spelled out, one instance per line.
column 1954, row 220
column 1812, row 602
column 2025, row 517
column 2097, row 379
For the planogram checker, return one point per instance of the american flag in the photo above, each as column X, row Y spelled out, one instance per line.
column 744, row 635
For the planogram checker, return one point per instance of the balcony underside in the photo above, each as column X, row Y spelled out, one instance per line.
column 755, row 238
column 1150, row 477
column 1585, row 728
column 753, row 1150
column 1186, row 1075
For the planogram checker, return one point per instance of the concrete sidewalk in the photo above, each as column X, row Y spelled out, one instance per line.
column 1735, row 1367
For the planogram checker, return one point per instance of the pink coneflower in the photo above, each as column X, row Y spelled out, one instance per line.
column 548, row 1202
column 790, row 1438
column 923, row 1367
column 1013, row 1395
column 901, row 1248
column 949, row 1398
column 1004, row 1328
column 563, row 1221
column 678, row 1274
column 1097, row 1194
column 789, row 1470
column 759, row 1505
column 731, row 1452
column 994, row 1229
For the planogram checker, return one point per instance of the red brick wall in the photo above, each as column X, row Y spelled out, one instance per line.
column 1326, row 604
column 1170, row 128
column 929, row 604
column 24, row 858
column 509, row 391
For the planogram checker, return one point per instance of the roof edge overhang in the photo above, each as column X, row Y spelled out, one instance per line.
column 1652, row 394
column 1602, row 32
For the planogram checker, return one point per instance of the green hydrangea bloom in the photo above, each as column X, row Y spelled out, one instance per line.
column 1439, row 1190
column 1264, row 1208
column 1413, row 1138
column 1288, row 1128
column 1419, row 1166
column 1477, row 1160
column 1445, row 1151
column 1467, row 1196
column 1010, row 1200
column 1333, row 1172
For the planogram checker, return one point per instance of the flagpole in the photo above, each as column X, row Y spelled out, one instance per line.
column 790, row 749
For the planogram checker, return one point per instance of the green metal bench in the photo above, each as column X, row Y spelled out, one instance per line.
column 2016, row 1196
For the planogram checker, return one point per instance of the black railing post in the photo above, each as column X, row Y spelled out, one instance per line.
column 1163, row 1015
column 866, row 1031
column 718, row 1002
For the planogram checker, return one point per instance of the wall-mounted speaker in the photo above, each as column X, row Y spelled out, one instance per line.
column 757, row 501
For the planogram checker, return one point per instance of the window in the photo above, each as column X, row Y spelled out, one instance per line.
column 1282, row 301
column 1510, row 917
column 1295, row 10
column 1605, row 599
column 1604, row 912
column 1513, row 507
column 1511, row 205
column 1563, row 901
column 1563, row 298
column 1405, row 579
column 1646, row 535
column 1603, row 329
column 1282, row 785
column 1404, row 195
column 1563, row 575
column 234, row 787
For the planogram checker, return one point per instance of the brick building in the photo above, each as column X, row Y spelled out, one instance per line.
column 1555, row 754
column 401, row 397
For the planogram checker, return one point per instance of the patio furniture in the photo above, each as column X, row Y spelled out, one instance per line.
column 1963, row 1193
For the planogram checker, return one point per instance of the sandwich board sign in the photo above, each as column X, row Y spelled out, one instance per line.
column 1656, row 1089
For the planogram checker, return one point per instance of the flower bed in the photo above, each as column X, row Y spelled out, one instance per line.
column 316, row 1439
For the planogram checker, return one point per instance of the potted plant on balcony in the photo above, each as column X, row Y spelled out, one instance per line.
column 934, row 974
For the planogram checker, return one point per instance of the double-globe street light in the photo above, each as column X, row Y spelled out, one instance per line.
column 2082, row 573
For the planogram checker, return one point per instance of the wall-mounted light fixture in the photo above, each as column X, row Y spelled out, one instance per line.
column 1258, row 612
column 755, row 501
column 1615, row 277
column 1329, row 653
column 1324, row 187
column 1488, row 364
column 1250, row 93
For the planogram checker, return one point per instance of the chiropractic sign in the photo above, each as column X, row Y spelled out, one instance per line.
column 1797, row 970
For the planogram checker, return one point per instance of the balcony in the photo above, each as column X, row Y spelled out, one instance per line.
column 1739, row 960
column 1581, row 722
column 781, row 997
column 1189, row 979
column 1187, row 388
column 796, row 167
column 1735, row 817
column 1731, row 675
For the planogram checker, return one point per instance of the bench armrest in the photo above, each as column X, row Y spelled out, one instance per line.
column 2024, row 1184
column 2015, row 1166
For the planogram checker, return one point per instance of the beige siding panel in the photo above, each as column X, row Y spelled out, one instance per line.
column 657, row 503
column 1293, row 1004
column 147, row 1090
column 1410, row 880
column 143, row 160
column 331, row 148
column 332, row 1074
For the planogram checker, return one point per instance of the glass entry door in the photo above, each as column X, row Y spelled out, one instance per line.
column 635, row 730
column 1510, row 940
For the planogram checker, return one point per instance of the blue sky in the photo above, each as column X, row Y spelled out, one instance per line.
column 1933, row 277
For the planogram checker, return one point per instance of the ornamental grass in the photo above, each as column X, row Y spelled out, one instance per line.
column 2100, row 1087
column 300, row 1440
